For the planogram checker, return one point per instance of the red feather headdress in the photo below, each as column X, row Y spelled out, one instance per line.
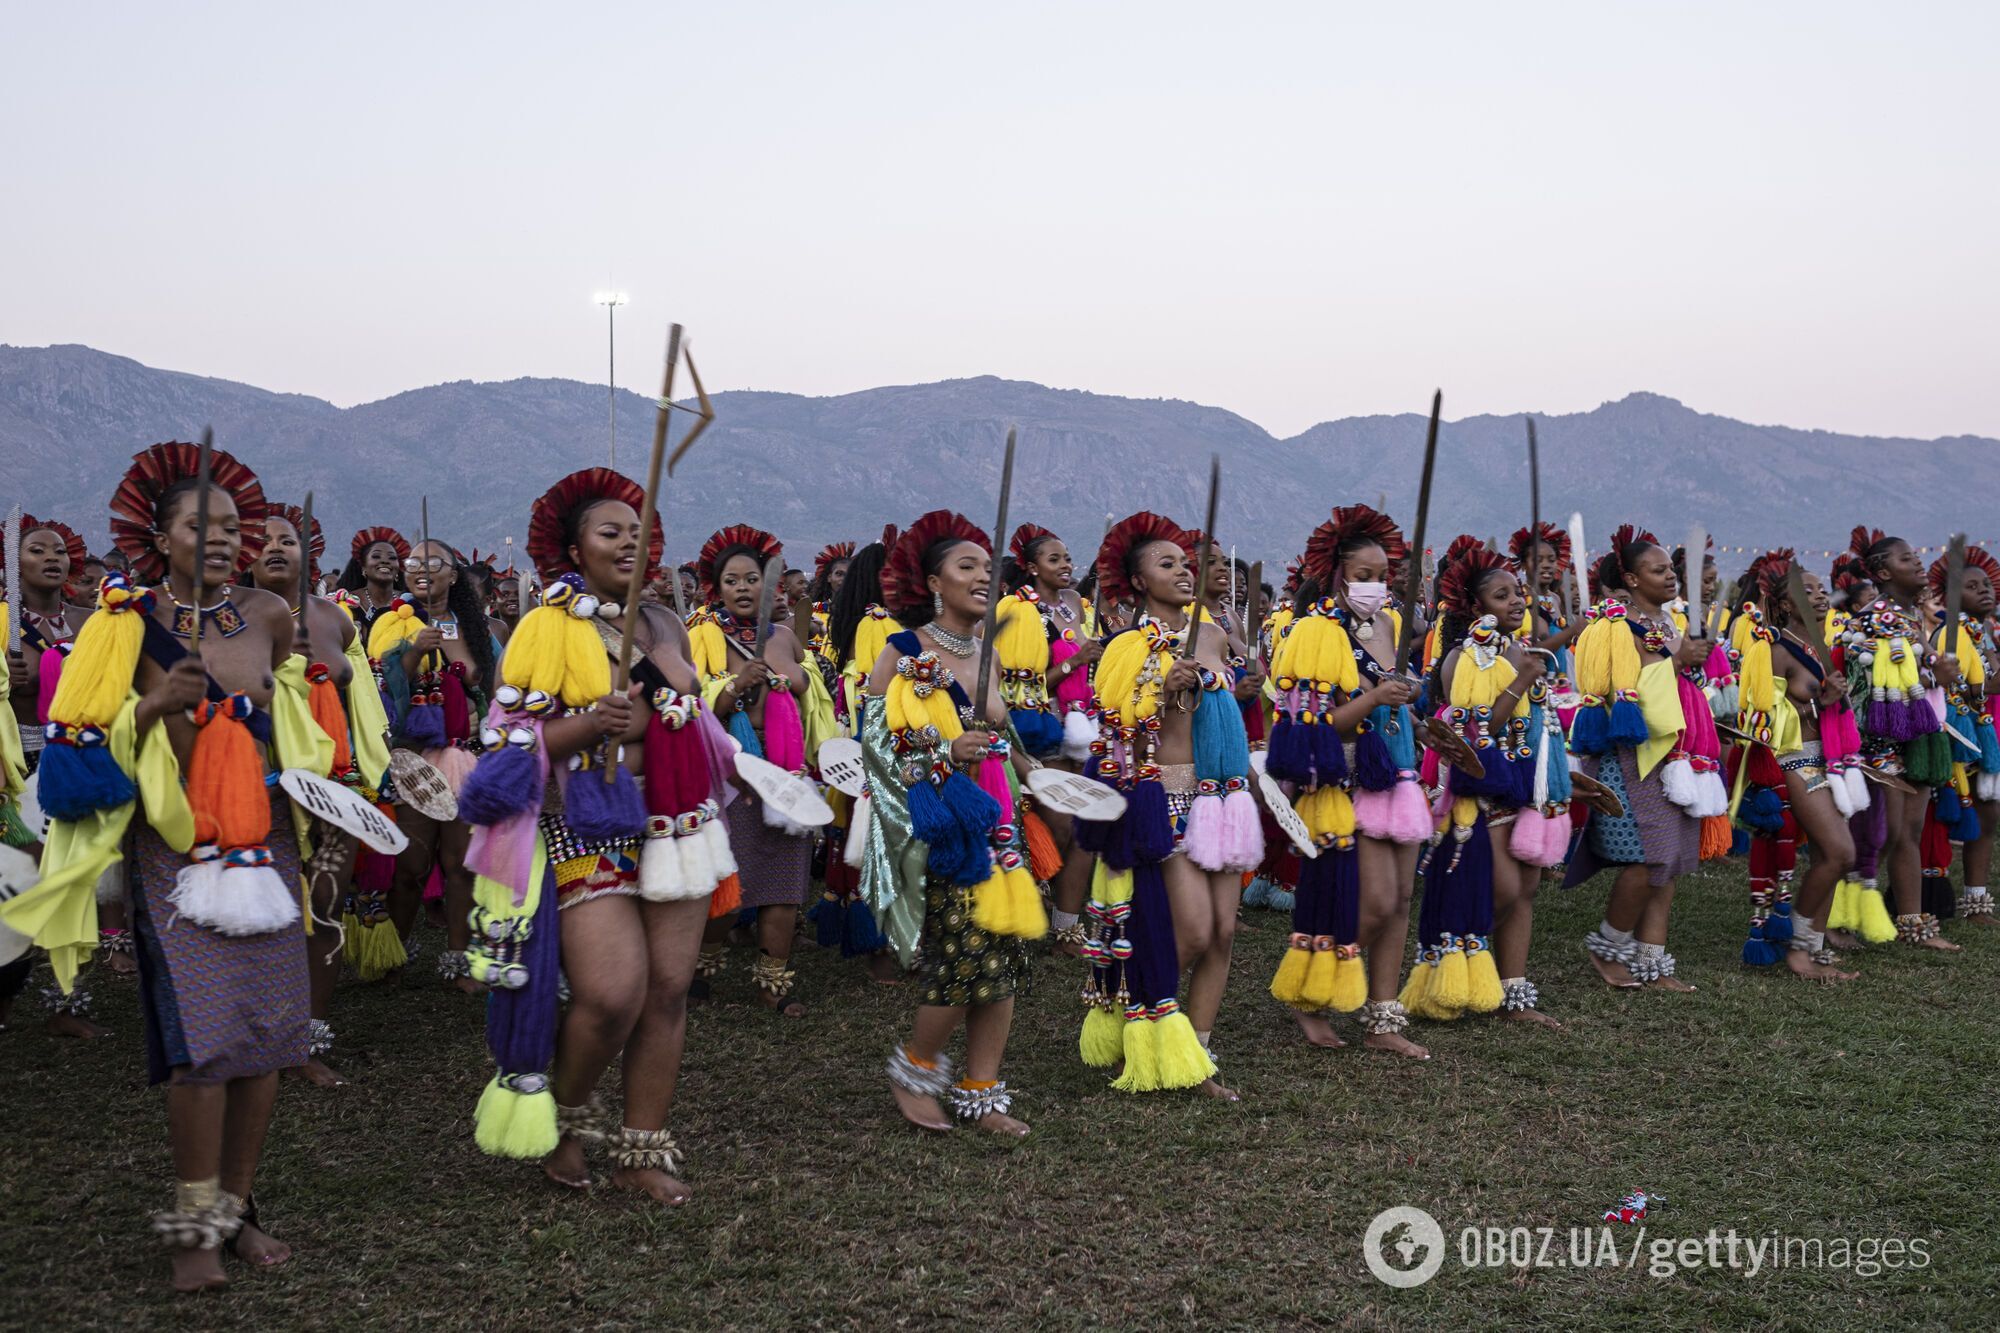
column 708, row 565
column 72, row 543
column 1114, row 584
column 1550, row 536
column 1975, row 558
column 1295, row 571
column 1348, row 522
column 1848, row 570
column 1024, row 536
column 152, row 473
column 548, row 545
column 1771, row 572
column 1863, row 537
column 367, row 537
column 1628, row 536
column 315, row 543
column 830, row 555
column 1460, row 544
column 1458, row 581
column 903, row 572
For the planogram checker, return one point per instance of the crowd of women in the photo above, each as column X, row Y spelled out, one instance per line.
column 567, row 777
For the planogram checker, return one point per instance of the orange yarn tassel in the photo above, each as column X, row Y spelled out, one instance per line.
column 1044, row 861
column 225, row 787
column 324, row 699
column 728, row 896
column 1715, row 837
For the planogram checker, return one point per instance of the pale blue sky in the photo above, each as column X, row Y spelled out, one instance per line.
column 1782, row 212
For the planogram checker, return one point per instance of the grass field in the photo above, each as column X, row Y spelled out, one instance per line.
column 1760, row 1104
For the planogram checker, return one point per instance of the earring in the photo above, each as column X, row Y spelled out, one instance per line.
column 937, row 603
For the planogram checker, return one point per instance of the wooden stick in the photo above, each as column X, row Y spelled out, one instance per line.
column 622, row 678
column 201, row 476
column 1201, row 559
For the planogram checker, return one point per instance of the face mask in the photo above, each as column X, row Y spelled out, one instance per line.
column 1367, row 598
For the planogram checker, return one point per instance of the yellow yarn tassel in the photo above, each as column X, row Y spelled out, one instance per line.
column 1876, row 925
column 1452, row 987
column 395, row 628
column 1350, row 983
column 1484, row 993
column 1142, row 1060
column 1317, row 992
column 1845, row 911
column 1416, row 993
column 1328, row 813
column 1020, row 642
column 1009, row 904
column 1180, row 1060
column 1102, row 1042
column 1289, row 985
column 98, row 674
column 512, row 1124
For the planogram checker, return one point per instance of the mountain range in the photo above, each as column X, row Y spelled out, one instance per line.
column 815, row 470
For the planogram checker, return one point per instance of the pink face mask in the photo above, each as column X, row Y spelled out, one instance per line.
column 1367, row 598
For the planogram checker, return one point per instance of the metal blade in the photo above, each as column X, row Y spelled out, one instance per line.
column 1534, row 519
column 1201, row 557
column 1580, row 559
column 1253, row 611
column 1407, row 641
column 981, row 694
column 1696, row 565
column 305, row 578
column 767, row 601
column 10, row 551
column 201, row 475
column 1954, row 590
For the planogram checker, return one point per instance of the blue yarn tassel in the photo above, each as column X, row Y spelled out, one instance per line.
column 745, row 733
column 1757, row 951
column 863, row 935
column 1289, row 755
column 1762, row 811
column 1041, row 733
column 975, row 813
column 931, row 823
column 1208, row 732
column 1151, row 826
column 1961, row 752
column 1989, row 749
column 826, row 917
column 1329, row 755
column 423, row 726
column 1628, row 723
column 1778, row 926
column 1590, row 731
column 1374, row 766
column 80, row 780
column 507, row 781
column 600, row 811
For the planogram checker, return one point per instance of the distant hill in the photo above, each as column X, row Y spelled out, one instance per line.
column 819, row 469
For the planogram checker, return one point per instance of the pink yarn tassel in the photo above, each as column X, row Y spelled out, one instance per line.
column 1203, row 839
column 992, row 777
column 45, row 689
column 784, row 733
column 1242, row 832
column 1075, row 687
column 457, row 705
column 1410, row 819
column 1532, row 834
column 1374, row 813
column 1430, row 768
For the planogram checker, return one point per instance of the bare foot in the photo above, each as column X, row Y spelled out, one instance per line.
column 316, row 1073
column 662, row 1187
column 1004, row 1125
column 1977, row 919
column 1531, row 1016
column 788, row 1007
column 1841, row 939
column 258, row 1248
column 1065, row 949
column 74, row 1025
column 1318, row 1032
column 884, row 970
column 919, row 1110
column 1941, row 944
column 567, row 1165
column 122, row 964
column 1802, row 965
column 198, row 1270
column 1396, row 1044
column 1669, row 983
column 1209, row 1087
column 1614, row 974
column 467, row 986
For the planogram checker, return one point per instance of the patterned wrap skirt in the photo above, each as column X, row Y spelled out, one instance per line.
column 216, row 1007
column 1653, row 831
column 960, row 963
column 775, row 868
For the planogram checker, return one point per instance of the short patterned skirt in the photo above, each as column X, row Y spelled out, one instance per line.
column 960, row 963
column 774, row 867
column 1653, row 831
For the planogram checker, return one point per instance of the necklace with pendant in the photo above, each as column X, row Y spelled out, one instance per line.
column 223, row 616
column 959, row 645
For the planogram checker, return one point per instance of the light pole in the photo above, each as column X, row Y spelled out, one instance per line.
column 611, row 301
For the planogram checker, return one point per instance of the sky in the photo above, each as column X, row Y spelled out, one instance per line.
column 1780, row 212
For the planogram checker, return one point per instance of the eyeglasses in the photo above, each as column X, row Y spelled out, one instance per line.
column 430, row 565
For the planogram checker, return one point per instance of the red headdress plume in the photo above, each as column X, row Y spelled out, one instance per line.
column 367, row 537
column 1295, row 570
column 831, row 555
column 1125, row 537
column 1975, row 558
column 548, row 544
column 1863, row 537
column 1848, row 571
column 708, row 565
column 153, row 472
column 72, row 543
column 903, row 587
column 1024, row 537
column 1460, row 544
column 1548, row 534
column 315, row 541
column 888, row 536
column 1771, row 572
column 1348, row 522
column 1458, row 580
